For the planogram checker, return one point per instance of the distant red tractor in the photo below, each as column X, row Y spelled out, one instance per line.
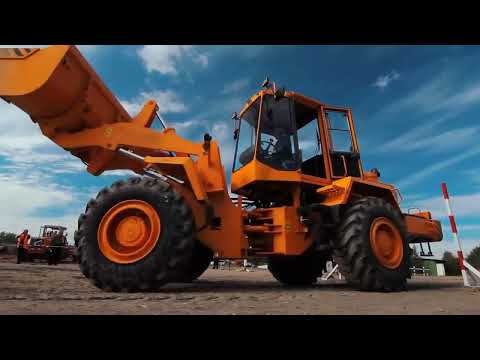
column 38, row 247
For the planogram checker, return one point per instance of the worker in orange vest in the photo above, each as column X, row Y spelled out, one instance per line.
column 22, row 241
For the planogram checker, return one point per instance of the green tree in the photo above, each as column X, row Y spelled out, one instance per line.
column 7, row 238
column 474, row 257
column 451, row 264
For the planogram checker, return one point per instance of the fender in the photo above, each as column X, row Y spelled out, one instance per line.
column 341, row 191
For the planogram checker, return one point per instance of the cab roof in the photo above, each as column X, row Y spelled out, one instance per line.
column 57, row 227
column 311, row 102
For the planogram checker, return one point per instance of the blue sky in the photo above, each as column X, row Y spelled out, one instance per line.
column 416, row 110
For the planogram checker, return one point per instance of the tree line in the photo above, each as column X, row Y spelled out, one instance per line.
column 7, row 238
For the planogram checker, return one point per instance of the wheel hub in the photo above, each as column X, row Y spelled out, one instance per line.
column 386, row 243
column 129, row 231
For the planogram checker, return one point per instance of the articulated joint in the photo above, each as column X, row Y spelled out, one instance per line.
column 330, row 214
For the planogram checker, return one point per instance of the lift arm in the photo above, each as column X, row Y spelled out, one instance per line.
column 63, row 94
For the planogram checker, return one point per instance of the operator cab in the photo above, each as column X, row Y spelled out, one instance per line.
column 52, row 230
column 284, row 137
column 277, row 145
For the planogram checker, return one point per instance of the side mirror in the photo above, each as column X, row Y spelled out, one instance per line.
column 235, row 116
column 235, row 134
column 266, row 83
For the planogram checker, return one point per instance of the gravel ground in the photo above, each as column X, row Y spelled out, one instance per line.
column 40, row 289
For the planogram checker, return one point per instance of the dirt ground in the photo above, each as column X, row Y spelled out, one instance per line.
column 40, row 289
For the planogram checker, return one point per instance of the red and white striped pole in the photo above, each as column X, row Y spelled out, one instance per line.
column 453, row 225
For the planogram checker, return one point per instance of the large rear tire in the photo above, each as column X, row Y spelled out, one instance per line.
column 199, row 263
column 371, row 247
column 136, row 235
column 300, row 270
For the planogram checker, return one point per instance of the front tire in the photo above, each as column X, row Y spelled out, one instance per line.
column 136, row 235
column 371, row 247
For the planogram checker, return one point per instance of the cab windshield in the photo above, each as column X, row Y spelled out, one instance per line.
column 277, row 145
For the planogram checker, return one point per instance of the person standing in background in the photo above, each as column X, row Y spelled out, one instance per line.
column 216, row 261
column 22, row 241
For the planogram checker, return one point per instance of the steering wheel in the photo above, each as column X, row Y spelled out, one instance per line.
column 267, row 148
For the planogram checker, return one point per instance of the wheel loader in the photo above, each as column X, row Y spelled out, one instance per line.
column 302, row 195
column 39, row 246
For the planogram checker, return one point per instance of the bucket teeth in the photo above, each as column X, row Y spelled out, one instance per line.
column 6, row 53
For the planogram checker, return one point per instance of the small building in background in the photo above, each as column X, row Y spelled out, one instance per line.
column 431, row 267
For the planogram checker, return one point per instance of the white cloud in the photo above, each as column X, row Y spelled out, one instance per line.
column 429, row 170
column 22, row 198
column 403, row 141
column 416, row 140
column 28, row 176
column 28, row 198
column 166, row 59
column 383, row 81
column 235, row 86
column 124, row 173
column 444, row 93
column 184, row 125
column 69, row 166
column 462, row 206
column 168, row 102
column 448, row 140
column 223, row 133
column 88, row 49
column 201, row 59
column 460, row 228
column 412, row 197
column 26, row 149
column 18, row 133
column 227, row 107
column 473, row 175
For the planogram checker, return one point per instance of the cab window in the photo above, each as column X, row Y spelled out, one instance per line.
column 277, row 143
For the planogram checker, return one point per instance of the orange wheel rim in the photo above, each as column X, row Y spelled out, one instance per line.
column 386, row 243
column 129, row 231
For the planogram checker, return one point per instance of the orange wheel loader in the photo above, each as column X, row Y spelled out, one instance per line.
column 303, row 196
column 39, row 246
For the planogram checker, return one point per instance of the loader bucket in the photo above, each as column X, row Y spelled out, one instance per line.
column 63, row 94
column 58, row 89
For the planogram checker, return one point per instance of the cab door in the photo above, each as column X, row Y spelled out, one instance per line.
column 343, row 152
